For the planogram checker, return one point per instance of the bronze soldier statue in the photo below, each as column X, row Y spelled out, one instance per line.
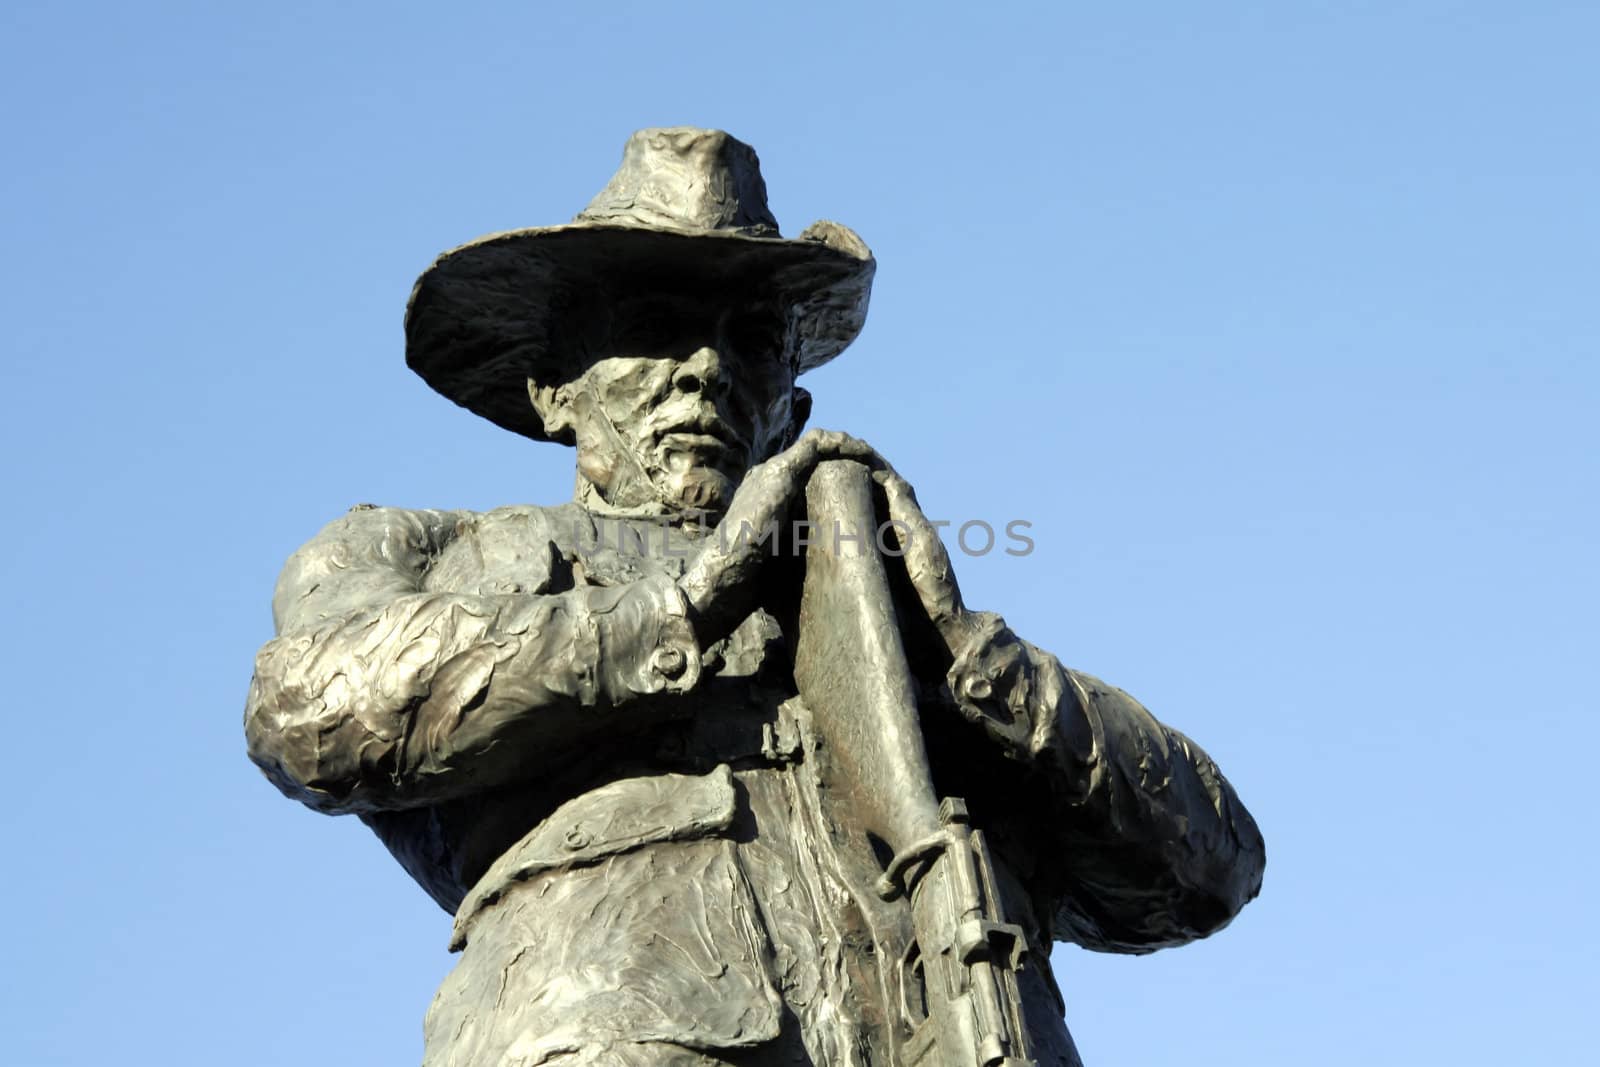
column 712, row 764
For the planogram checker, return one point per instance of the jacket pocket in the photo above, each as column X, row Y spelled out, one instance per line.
column 625, row 917
column 617, row 817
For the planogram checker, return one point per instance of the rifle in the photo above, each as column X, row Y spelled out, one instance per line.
column 954, row 980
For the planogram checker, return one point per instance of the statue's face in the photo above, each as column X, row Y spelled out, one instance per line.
column 681, row 397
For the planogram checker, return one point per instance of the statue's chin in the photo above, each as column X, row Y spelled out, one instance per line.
column 698, row 489
column 682, row 483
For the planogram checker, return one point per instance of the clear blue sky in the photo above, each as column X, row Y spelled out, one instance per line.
column 1278, row 320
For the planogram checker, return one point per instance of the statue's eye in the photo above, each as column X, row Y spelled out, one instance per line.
column 756, row 335
column 647, row 328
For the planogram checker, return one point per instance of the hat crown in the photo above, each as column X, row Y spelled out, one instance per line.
column 686, row 179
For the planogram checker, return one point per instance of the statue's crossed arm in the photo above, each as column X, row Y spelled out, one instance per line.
column 378, row 693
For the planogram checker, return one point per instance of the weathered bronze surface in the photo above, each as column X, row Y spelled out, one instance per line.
column 699, row 784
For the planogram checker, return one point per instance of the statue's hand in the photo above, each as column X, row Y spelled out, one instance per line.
column 990, row 679
column 719, row 581
column 927, row 563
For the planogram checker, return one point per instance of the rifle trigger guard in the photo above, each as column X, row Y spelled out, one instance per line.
column 893, row 883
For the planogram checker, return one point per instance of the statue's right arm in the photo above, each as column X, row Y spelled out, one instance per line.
column 377, row 694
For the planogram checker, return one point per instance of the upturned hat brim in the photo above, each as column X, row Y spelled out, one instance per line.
column 479, row 321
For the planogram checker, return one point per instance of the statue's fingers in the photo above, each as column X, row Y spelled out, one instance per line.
column 835, row 444
column 927, row 563
column 920, row 536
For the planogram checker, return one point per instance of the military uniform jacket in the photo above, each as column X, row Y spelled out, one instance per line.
column 624, row 824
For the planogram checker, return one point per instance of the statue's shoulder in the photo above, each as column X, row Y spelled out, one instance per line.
column 532, row 514
column 366, row 548
column 513, row 524
column 382, row 535
column 513, row 549
column 556, row 524
column 371, row 552
column 374, row 522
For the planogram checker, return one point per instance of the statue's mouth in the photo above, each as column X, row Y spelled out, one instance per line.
column 703, row 435
column 690, row 441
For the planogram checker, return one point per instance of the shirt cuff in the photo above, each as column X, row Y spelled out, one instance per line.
column 646, row 642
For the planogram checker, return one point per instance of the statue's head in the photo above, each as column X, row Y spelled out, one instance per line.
column 661, row 332
column 679, row 392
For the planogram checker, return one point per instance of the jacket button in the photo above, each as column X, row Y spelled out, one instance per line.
column 668, row 662
column 976, row 688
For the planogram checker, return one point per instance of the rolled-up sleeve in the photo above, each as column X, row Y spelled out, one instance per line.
column 1146, row 844
column 377, row 694
column 1159, row 850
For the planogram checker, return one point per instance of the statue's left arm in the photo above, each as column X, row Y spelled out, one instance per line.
column 1145, row 844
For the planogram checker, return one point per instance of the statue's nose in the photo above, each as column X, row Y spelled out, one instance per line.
column 701, row 372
